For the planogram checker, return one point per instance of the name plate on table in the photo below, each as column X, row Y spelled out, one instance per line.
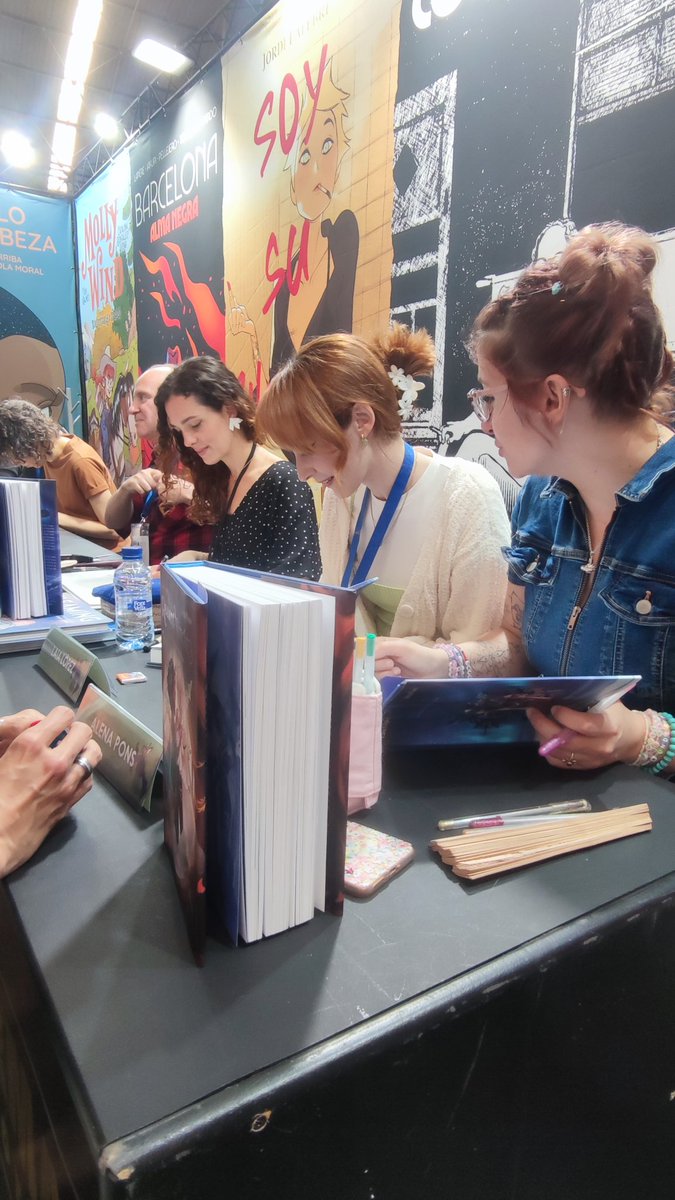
column 68, row 663
column 131, row 753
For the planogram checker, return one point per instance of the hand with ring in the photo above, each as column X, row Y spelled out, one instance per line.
column 593, row 739
column 41, row 778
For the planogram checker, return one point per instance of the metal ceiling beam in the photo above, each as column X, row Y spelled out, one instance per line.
column 231, row 21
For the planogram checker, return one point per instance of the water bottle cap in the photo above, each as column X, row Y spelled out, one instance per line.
column 132, row 552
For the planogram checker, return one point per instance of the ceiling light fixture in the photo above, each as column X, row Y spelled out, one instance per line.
column 78, row 58
column 106, row 127
column 17, row 149
column 162, row 57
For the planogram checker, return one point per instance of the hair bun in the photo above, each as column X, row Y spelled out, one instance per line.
column 609, row 264
column 400, row 346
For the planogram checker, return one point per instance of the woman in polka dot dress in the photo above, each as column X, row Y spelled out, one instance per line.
column 264, row 515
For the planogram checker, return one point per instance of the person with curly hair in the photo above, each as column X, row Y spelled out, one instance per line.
column 430, row 529
column 84, row 485
column 264, row 516
column 145, row 496
column 575, row 379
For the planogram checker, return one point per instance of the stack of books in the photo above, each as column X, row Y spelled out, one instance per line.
column 257, row 698
column 30, row 550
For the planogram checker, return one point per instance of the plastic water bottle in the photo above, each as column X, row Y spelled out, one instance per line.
column 133, row 602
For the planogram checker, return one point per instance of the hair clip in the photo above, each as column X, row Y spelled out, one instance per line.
column 408, row 387
column 557, row 287
column 235, row 423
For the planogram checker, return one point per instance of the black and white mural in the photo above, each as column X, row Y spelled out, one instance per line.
column 517, row 122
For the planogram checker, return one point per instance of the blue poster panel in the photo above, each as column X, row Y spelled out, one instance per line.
column 39, row 357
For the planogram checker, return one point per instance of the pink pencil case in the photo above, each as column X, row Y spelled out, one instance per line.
column 365, row 752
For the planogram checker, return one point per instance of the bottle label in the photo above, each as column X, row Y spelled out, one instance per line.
column 136, row 604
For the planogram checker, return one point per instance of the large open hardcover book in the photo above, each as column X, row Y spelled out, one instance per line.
column 30, row 555
column 257, row 694
column 470, row 712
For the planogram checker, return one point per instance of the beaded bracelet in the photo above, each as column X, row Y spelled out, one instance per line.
column 459, row 666
column 669, row 754
column 655, row 742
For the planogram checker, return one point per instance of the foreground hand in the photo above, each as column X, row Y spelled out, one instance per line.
column 409, row 660
column 39, row 783
column 13, row 725
column 597, row 740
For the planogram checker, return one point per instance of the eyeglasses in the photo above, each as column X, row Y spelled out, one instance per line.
column 482, row 403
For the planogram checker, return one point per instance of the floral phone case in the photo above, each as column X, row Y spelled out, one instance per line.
column 372, row 858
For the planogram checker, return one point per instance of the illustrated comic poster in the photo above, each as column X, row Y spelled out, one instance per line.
column 517, row 124
column 308, row 101
column 105, row 265
column 177, row 192
column 38, row 320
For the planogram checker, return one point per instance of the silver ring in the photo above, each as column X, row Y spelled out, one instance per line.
column 85, row 764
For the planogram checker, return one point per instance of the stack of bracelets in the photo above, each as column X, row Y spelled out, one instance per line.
column 459, row 666
column 658, row 748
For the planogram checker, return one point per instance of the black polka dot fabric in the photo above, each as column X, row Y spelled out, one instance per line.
column 273, row 529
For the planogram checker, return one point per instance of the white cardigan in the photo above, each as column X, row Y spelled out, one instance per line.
column 458, row 584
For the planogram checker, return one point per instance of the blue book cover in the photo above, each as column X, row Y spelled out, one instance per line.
column 51, row 545
column 470, row 712
column 225, row 783
column 6, row 593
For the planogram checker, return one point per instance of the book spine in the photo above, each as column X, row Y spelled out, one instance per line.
column 6, row 604
column 51, row 546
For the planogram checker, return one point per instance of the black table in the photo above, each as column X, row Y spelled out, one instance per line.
column 72, row 543
column 508, row 1039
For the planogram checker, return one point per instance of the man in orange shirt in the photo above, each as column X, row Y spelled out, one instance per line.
column 84, row 484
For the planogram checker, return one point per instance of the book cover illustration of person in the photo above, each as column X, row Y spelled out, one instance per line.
column 315, row 294
column 184, row 758
column 31, row 365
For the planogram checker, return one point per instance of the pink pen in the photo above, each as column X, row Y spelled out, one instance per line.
column 561, row 739
column 542, row 818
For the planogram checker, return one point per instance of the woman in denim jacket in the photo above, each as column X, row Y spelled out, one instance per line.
column 574, row 373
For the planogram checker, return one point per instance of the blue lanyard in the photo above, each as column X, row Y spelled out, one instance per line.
column 351, row 577
column 149, row 501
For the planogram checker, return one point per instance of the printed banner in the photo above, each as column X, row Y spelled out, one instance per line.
column 308, row 140
column 177, row 193
column 105, row 266
column 38, row 323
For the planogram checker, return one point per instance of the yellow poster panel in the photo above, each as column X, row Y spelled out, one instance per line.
column 308, row 111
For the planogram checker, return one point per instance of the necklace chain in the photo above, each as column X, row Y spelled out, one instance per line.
column 240, row 476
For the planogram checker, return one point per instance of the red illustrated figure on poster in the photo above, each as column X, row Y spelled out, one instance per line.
column 313, row 282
